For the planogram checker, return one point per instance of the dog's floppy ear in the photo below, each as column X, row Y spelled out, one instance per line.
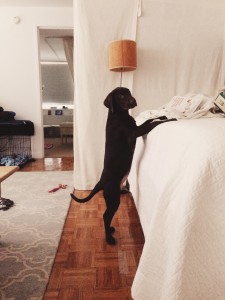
column 109, row 101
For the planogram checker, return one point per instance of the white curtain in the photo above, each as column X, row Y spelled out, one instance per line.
column 97, row 22
column 68, row 48
column 180, row 50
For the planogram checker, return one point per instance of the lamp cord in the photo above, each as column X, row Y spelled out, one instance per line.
column 121, row 77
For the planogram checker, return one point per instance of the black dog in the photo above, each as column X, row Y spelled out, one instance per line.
column 121, row 134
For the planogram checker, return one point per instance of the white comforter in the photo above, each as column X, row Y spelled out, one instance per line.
column 178, row 184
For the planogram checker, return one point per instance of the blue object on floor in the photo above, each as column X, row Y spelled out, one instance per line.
column 15, row 160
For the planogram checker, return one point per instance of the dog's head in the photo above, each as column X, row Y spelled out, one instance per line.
column 120, row 99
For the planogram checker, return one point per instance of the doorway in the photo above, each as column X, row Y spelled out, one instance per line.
column 57, row 90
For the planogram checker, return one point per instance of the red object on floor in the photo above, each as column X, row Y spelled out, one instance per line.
column 48, row 146
column 61, row 186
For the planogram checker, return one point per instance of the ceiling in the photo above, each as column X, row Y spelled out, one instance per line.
column 33, row 3
column 51, row 44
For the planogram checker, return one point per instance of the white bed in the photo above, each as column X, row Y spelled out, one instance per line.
column 178, row 184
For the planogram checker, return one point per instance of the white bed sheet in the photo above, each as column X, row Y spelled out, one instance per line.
column 178, row 184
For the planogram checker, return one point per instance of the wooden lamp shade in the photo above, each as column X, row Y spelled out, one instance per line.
column 122, row 56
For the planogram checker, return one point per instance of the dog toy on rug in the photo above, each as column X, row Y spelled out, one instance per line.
column 61, row 186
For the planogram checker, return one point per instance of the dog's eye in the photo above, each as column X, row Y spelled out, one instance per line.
column 121, row 96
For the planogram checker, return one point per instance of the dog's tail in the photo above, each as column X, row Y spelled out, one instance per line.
column 95, row 190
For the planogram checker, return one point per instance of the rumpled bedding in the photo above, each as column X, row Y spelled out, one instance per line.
column 177, row 181
column 189, row 106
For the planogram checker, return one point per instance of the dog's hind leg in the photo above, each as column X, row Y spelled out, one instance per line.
column 112, row 198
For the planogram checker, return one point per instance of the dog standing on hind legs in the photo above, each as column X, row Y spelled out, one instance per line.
column 121, row 135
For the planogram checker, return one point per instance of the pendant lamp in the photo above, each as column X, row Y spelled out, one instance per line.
column 122, row 56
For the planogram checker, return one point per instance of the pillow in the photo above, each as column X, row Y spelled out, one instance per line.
column 7, row 116
column 11, row 114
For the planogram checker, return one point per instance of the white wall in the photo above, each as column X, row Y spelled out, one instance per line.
column 19, row 62
column 58, row 87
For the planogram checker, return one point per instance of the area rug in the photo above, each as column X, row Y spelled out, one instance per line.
column 30, row 231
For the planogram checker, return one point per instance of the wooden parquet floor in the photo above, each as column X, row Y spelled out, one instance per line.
column 85, row 267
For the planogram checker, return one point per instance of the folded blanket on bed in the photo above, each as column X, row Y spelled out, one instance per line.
column 189, row 106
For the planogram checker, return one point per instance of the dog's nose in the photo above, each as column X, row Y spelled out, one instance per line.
column 133, row 102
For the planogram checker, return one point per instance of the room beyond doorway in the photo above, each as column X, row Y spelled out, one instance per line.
column 56, row 53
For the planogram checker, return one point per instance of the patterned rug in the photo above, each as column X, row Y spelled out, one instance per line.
column 30, row 231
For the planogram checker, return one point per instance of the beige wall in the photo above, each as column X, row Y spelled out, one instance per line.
column 19, row 62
